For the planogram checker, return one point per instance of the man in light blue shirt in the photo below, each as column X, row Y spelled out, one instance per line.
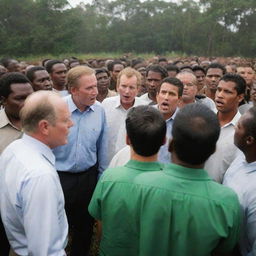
column 241, row 177
column 84, row 157
column 31, row 198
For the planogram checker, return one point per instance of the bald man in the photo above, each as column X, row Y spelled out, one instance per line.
column 190, row 91
column 31, row 198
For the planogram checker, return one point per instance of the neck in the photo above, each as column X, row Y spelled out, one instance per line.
column 135, row 156
column 127, row 106
column 16, row 122
column 152, row 97
column 102, row 94
column 250, row 155
column 59, row 87
column 210, row 93
column 168, row 115
column 226, row 117
column 177, row 161
column 81, row 107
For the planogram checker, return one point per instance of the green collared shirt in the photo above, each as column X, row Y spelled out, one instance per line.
column 178, row 211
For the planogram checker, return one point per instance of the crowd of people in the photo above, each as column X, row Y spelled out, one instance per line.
column 159, row 155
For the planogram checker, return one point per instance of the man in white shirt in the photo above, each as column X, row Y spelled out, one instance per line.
column 31, row 198
column 168, row 96
column 241, row 176
column 230, row 92
column 116, row 108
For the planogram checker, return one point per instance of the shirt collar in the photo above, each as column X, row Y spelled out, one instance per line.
column 4, row 120
column 40, row 147
column 72, row 106
column 118, row 102
column 187, row 173
column 234, row 120
column 173, row 115
column 144, row 166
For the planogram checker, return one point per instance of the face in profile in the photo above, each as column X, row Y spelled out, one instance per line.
column 58, row 132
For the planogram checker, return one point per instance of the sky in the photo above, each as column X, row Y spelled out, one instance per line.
column 73, row 3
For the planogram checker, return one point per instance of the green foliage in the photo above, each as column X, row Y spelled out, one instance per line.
column 205, row 27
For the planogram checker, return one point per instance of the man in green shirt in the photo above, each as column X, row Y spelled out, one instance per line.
column 179, row 211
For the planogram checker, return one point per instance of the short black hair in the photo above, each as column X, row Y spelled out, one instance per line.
column 174, row 81
column 185, row 67
column 51, row 63
column 146, row 129
column 198, row 68
column 11, row 78
column 101, row 70
column 216, row 65
column 195, row 132
column 158, row 69
column 111, row 65
column 238, row 80
column 250, row 124
column 171, row 67
column 30, row 74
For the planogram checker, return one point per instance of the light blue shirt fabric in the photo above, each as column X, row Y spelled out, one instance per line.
column 31, row 199
column 87, row 142
column 164, row 156
column 241, row 177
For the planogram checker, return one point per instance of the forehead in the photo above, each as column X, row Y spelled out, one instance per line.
column 169, row 87
column 124, row 80
column 155, row 75
column 87, row 80
column 245, row 69
column 101, row 74
column 21, row 89
column 187, row 78
column 214, row 71
column 118, row 67
column 199, row 72
column 227, row 85
column 59, row 67
column 40, row 74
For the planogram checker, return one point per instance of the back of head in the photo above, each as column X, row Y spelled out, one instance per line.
column 146, row 130
column 195, row 133
column 238, row 80
column 38, row 106
column 250, row 124
column 11, row 78
column 75, row 73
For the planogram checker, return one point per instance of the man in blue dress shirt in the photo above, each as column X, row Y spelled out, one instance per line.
column 31, row 198
column 84, row 157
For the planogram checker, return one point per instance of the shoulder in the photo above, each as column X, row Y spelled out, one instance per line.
column 110, row 100
column 140, row 101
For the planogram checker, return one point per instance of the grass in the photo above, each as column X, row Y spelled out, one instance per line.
column 33, row 59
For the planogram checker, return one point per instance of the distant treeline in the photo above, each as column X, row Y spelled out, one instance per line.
column 204, row 27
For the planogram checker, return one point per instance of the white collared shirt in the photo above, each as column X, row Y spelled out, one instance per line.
column 226, row 151
column 116, row 115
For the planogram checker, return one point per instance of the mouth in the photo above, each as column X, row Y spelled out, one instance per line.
column 164, row 106
column 219, row 103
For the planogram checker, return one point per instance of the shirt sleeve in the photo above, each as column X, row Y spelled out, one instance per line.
column 102, row 147
column 234, row 223
column 45, row 222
